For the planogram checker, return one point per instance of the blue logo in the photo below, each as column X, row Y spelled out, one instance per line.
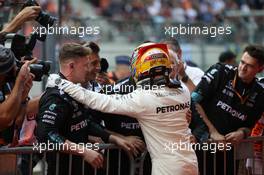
column 52, row 107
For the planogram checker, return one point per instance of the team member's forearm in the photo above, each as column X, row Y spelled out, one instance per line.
column 105, row 103
column 190, row 85
column 208, row 123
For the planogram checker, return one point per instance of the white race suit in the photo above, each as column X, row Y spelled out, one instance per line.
column 161, row 114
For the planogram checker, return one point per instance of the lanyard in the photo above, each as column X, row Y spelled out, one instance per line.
column 242, row 99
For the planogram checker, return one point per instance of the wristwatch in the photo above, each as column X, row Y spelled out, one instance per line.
column 185, row 78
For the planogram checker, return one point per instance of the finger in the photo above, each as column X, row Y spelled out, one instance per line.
column 37, row 8
column 102, row 160
column 137, row 137
column 229, row 137
column 141, row 147
column 140, row 142
column 34, row 60
column 99, row 162
column 32, row 76
column 26, row 64
column 129, row 147
column 26, row 80
column 28, row 85
column 137, row 145
column 135, row 152
column 132, row 148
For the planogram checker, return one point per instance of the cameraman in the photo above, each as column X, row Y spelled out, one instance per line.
column 15, row 105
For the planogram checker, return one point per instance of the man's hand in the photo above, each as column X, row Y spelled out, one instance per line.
column 94, row 139
column 23, row 75
column 137, row 142
column 102, row 79
column 235, row 136
column 216, row 136
column 123, row 143
column 27, row 14
column 192, row 139
column 24, row 79
column 54, row 80
column 94, row 158
column 27, row 86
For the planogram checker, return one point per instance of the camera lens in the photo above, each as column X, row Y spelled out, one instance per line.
column 45, row 19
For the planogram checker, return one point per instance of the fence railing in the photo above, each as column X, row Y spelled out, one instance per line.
column 243, row 158
column 247, row 159
column 9, row 159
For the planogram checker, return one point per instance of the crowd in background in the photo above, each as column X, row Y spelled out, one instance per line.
column 45, row 115
column 178, row 10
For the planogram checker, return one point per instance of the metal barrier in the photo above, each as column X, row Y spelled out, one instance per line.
column 5, row 154
column 241, row 159
column 246, row 159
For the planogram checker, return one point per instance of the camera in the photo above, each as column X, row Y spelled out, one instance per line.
column 22, row 47
column 43, row 18
column 38, row 69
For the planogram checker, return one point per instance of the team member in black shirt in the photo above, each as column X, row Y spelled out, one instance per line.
column 64, row 121
column 232, row 98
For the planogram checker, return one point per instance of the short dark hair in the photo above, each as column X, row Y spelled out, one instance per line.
column 73, row 51
column 93, row 46
column 226, row 56
column 257, row 52
column 174, row 42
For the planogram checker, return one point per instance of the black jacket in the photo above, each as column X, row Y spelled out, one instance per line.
column 60, row 118
column 228, row 102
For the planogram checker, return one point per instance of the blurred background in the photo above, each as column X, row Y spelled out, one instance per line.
column 124, row 24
